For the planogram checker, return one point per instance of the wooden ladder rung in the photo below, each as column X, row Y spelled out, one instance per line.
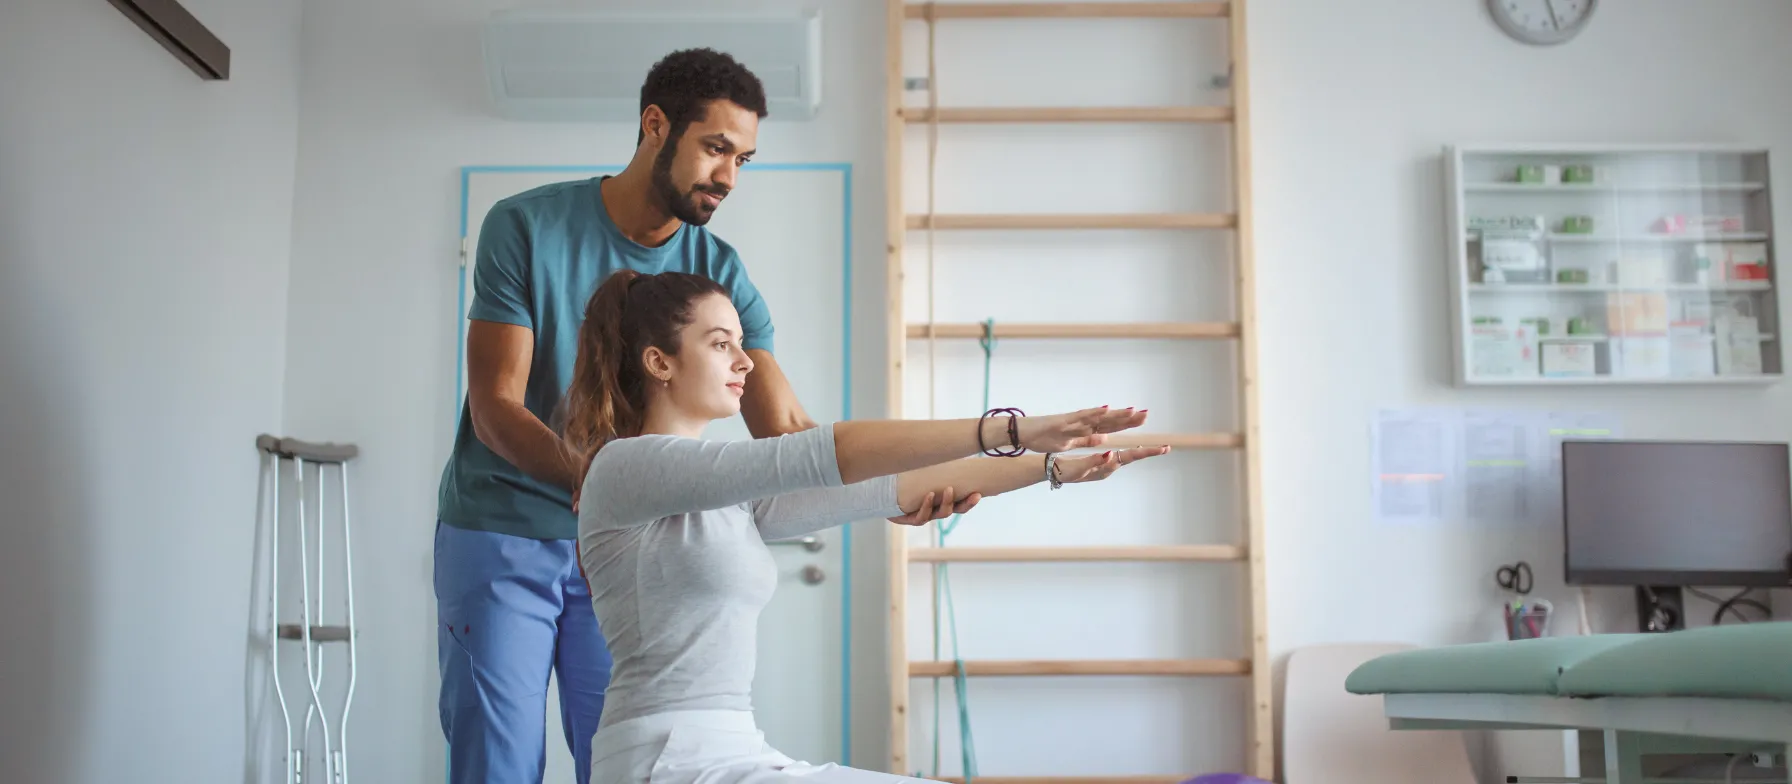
column 1148, row 779
column 1217, row 329
column 1176, row 440
column 1175, row 220
column 1071, row 114
column 944, row 669
column 1172, row 10
column 1173, row 552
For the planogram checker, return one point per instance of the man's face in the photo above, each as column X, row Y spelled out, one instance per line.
column 693, row 173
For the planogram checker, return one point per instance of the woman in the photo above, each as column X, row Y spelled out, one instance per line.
column 672, row 528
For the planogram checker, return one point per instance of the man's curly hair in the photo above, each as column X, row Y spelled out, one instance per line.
column 684, row 82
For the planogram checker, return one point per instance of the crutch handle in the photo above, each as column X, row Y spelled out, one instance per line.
column 306, row 450
column 292, row 631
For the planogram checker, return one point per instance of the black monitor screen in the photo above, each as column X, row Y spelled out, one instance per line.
column 1676, row 513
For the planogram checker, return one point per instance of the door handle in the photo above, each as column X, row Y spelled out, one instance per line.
column 810, row 543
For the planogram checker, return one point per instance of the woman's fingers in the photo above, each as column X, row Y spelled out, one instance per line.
column 1103, row 423
column 1095, row 468
column 1079, row 429
column 1133, row 455
column 1116, row 420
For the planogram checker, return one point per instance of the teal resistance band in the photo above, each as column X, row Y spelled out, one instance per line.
column 943, row 585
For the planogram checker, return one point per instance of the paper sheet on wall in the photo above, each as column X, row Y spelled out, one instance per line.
column 1498, row 456
column 1412, row 464
column 1480, row 465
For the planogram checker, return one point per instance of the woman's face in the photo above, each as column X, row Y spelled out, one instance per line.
column 709, row 374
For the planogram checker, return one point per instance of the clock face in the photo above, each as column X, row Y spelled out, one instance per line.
column 1541, row 22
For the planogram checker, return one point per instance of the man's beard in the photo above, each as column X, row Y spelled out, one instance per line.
column 683, row 206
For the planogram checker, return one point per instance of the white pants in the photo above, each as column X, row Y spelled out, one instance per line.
column 708, row 747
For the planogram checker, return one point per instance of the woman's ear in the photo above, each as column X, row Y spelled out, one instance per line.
column 657, row 364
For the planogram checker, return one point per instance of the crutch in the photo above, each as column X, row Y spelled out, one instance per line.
column 311, row 631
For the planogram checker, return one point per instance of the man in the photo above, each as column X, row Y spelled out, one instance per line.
column 511, row 602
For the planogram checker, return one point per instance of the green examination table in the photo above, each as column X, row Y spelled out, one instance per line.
column 1719, row 688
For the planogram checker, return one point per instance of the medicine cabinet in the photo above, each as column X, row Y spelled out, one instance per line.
column 1612, row 265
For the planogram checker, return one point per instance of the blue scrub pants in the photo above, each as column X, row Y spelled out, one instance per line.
column 510, row 609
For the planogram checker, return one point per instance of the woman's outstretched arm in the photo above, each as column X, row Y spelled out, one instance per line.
column 992, row 476
column 637, row 480
column 806, row 511
column 868, row 449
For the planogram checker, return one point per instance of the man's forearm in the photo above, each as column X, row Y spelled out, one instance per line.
column 793, row 423
column 770, row 406
column 518, row 436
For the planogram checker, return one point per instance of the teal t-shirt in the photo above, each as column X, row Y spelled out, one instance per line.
column 541, row 254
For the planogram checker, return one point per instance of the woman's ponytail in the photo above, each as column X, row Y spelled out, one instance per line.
column 630, row 312
column 599, row 405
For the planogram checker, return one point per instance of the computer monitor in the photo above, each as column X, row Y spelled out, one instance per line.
column 1674, row 513
column 1659, row 515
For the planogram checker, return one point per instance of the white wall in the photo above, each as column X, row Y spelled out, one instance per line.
column 145, row 223
column 1351, row 268
column 393, row 105
column 1353, row 103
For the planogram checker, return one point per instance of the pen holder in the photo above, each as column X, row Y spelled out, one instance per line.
column 1527, row 622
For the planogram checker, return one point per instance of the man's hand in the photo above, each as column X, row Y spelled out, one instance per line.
column 938, row 506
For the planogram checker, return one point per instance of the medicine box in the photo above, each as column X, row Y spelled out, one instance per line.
column 1645, row 356
column 1692, row 355
column 1569, row 358
column 1732, row 260
column 1636, row 314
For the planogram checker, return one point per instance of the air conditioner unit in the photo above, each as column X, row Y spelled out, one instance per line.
column 560, row 65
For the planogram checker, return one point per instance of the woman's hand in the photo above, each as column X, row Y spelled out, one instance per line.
column 1075, row 430
column 1094, row 468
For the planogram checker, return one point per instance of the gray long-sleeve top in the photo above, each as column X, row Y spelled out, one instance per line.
column 672, row 534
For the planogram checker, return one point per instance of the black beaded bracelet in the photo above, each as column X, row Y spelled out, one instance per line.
column 1014, row 415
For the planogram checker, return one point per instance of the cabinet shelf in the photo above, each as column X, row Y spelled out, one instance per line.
column 1639, row 239
column 1519, row 289
column 1758, row 380
column 1612, row 265
column 1616, row 188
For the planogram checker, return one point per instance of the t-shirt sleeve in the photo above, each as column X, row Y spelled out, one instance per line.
column 755, row 315
column 638, row 480
column 501, row 269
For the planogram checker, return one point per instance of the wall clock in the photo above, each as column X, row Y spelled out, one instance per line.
column 1542, row 22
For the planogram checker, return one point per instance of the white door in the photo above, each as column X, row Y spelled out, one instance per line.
column 789, row 223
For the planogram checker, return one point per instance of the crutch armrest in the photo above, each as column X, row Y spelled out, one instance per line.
column 306, row 450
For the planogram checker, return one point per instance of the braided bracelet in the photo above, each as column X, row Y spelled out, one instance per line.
column 1014, row 415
